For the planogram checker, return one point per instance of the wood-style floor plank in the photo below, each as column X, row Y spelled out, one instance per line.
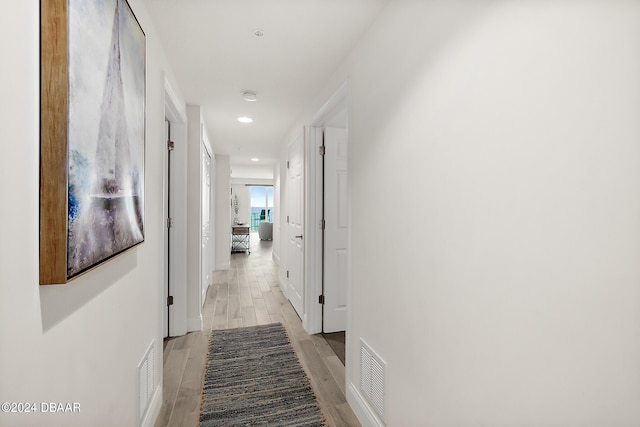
column 248, row 294
column 262, row 314
column 320, row 375
column 174, row 365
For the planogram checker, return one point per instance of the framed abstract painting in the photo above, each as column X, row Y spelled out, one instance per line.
column 92, row 135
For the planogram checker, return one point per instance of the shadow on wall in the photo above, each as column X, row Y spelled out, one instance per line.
column 425, row 38
column 57, row 302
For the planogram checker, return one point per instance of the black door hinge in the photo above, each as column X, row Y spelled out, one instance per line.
column 170, row 300
column 321, row 299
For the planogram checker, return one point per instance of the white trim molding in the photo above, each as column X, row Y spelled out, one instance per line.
column 195, row 323
column 312, row 323
column 155, row 405
column 282, row 281
column 361, row 408
column 173, row 105
column 224, row 266
column 175, row 111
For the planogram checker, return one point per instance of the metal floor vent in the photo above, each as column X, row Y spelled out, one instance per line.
column 146, row 380
column 372, row 376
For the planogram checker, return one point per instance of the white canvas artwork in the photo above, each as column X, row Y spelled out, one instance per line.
column 105, row 132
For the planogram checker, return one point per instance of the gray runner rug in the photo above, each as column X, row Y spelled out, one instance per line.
column 253, row 378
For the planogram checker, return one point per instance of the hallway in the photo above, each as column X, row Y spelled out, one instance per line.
column 248, row 294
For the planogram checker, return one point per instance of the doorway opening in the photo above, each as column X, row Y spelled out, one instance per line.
column 328, row 219
column 174, row 303
column 335, row 225
column 261, row 205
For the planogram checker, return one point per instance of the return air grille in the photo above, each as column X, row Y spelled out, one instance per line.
column 372, row 376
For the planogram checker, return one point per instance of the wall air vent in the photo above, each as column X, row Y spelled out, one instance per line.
column 372, row 377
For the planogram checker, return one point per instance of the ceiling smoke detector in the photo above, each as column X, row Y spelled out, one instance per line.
column 258, row 33
column 249, row 96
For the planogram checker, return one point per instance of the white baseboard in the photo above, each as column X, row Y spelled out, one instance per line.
column 194, row 324
column 153, row 410
column 361, row 408
column 275, row 257
column 224, row 266
column 282, row 281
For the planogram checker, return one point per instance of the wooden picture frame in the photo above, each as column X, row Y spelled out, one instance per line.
column 92, row 135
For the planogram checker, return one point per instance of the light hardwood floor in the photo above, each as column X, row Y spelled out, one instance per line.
column 248, row 294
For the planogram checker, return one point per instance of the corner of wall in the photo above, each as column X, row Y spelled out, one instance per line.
column 194, row 323
column 223, row 266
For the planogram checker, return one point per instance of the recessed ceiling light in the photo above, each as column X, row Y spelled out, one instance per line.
column 258, row 33
column 245, row 119
column 249, row 95
column 255, row 160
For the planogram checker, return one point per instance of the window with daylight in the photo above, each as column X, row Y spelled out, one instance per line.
column 261, row 206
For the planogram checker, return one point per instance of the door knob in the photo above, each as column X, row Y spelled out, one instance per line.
column 299, row 236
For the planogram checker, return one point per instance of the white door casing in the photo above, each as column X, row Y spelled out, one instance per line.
column 295, row 226
column 167, row 236
column 334, row 113
column 175, row 207
column 336, row 216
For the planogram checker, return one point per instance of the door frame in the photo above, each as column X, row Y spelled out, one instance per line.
column 177, row 262
column 335, row 232
column 314, row 206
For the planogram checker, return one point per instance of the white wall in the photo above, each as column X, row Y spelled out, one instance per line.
column 195, row 151
column 223, row 213
column 254, row 171
column 244, row 202
column 275, row 249
column 212, row 224
column 79, row 342
column 501, row 286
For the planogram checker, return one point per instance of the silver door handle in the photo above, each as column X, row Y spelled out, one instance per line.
column 299, row 237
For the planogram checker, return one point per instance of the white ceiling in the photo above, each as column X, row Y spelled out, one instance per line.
column 215, row 55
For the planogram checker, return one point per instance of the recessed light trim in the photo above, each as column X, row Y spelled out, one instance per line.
column 255, row 160
column 249, row 96
column 245, row 119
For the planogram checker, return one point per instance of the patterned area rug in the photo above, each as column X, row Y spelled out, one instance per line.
column 253, row 377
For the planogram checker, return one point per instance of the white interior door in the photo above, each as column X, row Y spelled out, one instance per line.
column 295, row 226
column 336, row 215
